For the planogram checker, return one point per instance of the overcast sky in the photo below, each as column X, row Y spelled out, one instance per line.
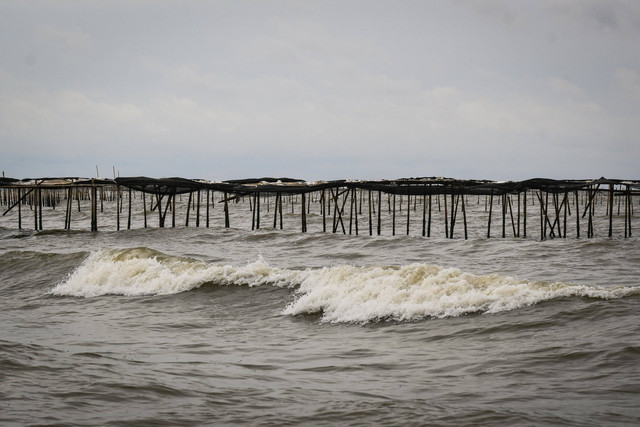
column 320, row 89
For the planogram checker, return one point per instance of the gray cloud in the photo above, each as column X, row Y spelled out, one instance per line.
column 356, row 89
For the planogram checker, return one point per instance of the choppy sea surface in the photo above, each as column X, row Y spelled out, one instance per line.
column 186, row 325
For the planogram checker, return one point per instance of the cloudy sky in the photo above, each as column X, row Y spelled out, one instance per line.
column 320, row 89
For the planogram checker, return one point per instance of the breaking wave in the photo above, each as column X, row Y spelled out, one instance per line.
column 342, row 293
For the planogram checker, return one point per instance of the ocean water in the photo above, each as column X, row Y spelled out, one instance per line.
column 186, row 325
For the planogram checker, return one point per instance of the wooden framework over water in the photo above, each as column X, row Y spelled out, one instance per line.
column 340, row 201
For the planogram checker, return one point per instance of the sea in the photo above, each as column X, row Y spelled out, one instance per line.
column 202, row 325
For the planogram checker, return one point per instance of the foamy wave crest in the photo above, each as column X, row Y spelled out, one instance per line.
column 143, row 271
column 419, row 291
column 340, row 294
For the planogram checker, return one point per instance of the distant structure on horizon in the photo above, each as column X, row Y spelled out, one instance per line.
column 336, row 199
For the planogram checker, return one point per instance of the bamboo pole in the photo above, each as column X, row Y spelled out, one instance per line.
column 464, row 218
column 186, row 220
column 370, row 219
column 408, row 209
column 198, row 208
column 610, row 206
column 394, row 216
column 490, row 211
column 118, row 209
column 446, row 215
column 379, row 210
column 208, row 204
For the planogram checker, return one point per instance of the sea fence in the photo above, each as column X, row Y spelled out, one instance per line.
column 535, row 208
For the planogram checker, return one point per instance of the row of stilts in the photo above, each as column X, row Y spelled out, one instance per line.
column 341, row 208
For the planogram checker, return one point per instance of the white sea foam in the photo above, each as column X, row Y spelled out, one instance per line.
column 418, row 291
column 142, row 271
column 340, row 293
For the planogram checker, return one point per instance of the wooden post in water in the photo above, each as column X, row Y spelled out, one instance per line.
column 129, row 216
column 40, row 208
column 34, row 198
column 144, row 208
column 159, row 206
column 464, row 218
column 518, row 234
column 226, row 211
column 323, row 200
column 577, row 215
column 303, row 212
column 565, row 201
column 424, row 215
column 94, row 208
column 253, row 211
column 275, row 211
column 454, row 211
column 504, row 215
column 610, row 205
column 524, row 214
column 513, row 225
column 379, row 210
column 352, row 202
column 186, row 221
column 198, row 208
column 19, row 209
column 173, row 208
column 394, row 215
column 208, row 207
column 408, row 208
column 370, row 219
column 118, row 208
column 257, row 208
column 590, row 219
column 429, row 220
column 490, row 211
column 446, row 216
column 629, row 207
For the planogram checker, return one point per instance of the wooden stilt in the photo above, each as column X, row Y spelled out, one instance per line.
column 429, row 220
column 524, row 214
column 198, row 208
column 490, row 211
column 208, row 204
column 379, row 210
column 565, row 203
column 303, row 212
column 257, row 208
column 446, row 215
column 394, row 216
column 577, row 215
column 280, row 203
column 454, row 211
column 424, row 215
column 518, row 217
column 513, row 226
column 464, row 218
column 275, row 211
column 186, row 219
column 370, row 212
column 226, row 211
column 173, row 208
column 610, row 205
column 129, row 216
column 323, row 201
column 253, row 212
column 144, row 208
column 159, row 206
column 118, row 208
column 408, row 209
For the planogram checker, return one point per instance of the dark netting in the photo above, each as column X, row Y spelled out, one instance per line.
column 267, row 185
